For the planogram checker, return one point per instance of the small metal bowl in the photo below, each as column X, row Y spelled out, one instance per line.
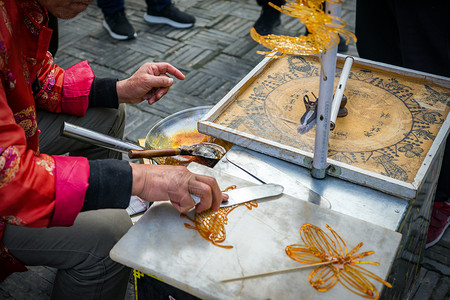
column 177, row 130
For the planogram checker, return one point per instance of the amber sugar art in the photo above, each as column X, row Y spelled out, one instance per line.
column 344, row 266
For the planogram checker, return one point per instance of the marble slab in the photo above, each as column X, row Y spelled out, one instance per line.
column 160, row 245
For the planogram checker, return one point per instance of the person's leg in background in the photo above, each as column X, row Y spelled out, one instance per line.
column 405, row 33
column 269, row 17
column 80, row 253
column 377, row 33
column 165, row 12
column 440, row 216
column 116, row 22
column 416, row 36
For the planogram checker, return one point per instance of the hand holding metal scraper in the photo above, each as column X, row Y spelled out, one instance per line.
column 249, row 193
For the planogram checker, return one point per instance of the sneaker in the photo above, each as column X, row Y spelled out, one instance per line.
column 268, row 19
column 440, row 219
column 171, row 16
column 118, row 26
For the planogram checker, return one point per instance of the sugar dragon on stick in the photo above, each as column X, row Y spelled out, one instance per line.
column 323, row 30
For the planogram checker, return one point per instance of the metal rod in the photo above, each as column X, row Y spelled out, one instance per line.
column 328, row 70
column 97, row 138
column 340, row 90
column 238, row 166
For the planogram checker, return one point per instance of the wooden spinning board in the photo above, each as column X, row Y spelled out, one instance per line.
column 394, row 117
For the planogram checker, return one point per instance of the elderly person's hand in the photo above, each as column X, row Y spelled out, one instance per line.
column 150, row 82
column 176, row 183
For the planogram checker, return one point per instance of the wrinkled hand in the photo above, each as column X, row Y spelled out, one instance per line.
column 150, row 82
column 176, row 183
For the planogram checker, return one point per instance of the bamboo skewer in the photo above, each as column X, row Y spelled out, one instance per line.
column 279, row 271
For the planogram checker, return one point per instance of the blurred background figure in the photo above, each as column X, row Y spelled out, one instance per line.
column 269, row 17
column 158, row 12
column 415, row 35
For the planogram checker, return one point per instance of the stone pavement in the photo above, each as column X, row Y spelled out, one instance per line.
column 214, row 55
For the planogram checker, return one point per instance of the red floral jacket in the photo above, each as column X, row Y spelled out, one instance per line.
column 36, row 190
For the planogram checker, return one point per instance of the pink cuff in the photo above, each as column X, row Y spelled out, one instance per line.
column 76, row 87
column 72, row 174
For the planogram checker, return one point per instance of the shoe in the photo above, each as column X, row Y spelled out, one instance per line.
column 267, row 21
column 118, row 26
column 440, row 220
column 171, row 16
column 342, row 47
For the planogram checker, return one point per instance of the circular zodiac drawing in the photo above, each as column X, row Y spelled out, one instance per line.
column 391, row 124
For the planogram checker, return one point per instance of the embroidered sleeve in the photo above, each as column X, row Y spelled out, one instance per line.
column 50, row 81
column 64, row 91
column 36, row 190
column 27, row 181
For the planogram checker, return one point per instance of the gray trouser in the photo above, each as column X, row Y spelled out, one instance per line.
column 104, row 120
column 80, row 252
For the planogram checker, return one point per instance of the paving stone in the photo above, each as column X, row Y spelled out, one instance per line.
column 240, row 47
column 439, row 253
column 415, row 287
column 4, row 294
column 442, row 289
column 138, row 126
column 65, row 60
column 102, row 71
column 191, row 57
column 27, row 286
column 436, row 264
column 247, row 11
column 427, row 285
column 214, row 8
column 228, row 67
column 174, row 101
column 45, row 273
column 143, row 28
column 83, row 24
column 152, row 45
column 184, row 35
column 239, row 27
column 168, row 105
column 68, row 38
column 207, row 88
column 131, row 110
column 253, row 57
column 200, row 84
column 212, row 39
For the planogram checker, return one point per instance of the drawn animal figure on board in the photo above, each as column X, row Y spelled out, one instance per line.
column 432, row 118
column 392, row 169
column 300, row 64
column 435, row 97
column 394, row 84
column 410, row 150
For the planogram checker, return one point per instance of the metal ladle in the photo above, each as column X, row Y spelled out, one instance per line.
column 206, row 150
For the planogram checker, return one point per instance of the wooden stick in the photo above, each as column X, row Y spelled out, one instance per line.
column 279, row 271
